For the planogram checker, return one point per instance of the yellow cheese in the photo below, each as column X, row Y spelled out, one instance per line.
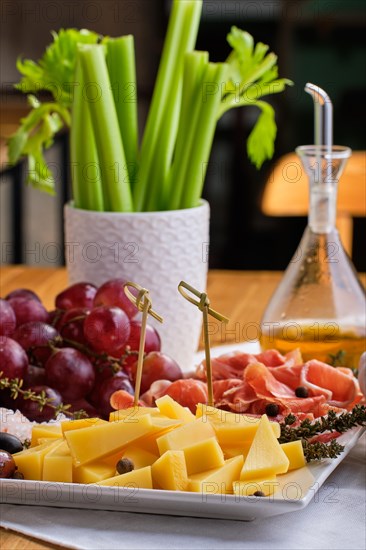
column 267, row 486
column 30, row 461
column 168, row 407
column 89, row 444
column 232, row 429
column 186, row 435
column 295, row 453
column 265, row 457
column 132, row 413
column 204, row 455
column 81, row 423
column 170, row 472
column 219, row 480
column 230, row 452
column 139, row 479
column 57, row 464
column 45, row 430
column 139, row 457
column 93, row 472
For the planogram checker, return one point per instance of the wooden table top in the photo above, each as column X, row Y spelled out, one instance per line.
column 242, row 296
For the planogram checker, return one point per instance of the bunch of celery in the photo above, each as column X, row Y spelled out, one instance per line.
column 93, row 83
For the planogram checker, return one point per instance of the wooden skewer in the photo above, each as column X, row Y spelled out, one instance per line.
column 143, row 303
column 203, row 305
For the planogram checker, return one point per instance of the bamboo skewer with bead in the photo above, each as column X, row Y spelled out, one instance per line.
column 143, row 303
column 203, row 305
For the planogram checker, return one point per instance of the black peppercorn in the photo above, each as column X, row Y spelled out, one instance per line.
column 259, row 494
column 301, row 391
column 272, row 409
column 125, row 465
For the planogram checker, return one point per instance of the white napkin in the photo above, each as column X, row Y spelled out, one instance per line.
column 334, row 519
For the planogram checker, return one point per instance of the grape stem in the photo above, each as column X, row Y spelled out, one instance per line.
column 15, row 387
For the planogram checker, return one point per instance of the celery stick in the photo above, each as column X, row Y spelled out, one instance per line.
column 122, row 74
column 215, row 75
column 180, row 38
column 195, row 64
column 103, row 114
column 87, row 189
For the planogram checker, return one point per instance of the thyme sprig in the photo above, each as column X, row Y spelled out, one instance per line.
column 307, row 429
column 15, row 387
column 318, row 450
column 330, row 423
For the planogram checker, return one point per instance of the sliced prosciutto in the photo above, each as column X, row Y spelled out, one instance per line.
column 338, row 387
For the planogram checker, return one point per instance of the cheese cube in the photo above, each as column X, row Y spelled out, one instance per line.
column 45, row 431
column 168, row 407
column 93, row 472
column 230, row 452
column 89, row 444
column 232, row 428
column 170, row 472
column 30, row 461
column 295, row 453
column 57, row 464
column 267, row 486
column 186, row 435
column 265, row 457
column 204, row 455
column 219, row 480
column 139, row 479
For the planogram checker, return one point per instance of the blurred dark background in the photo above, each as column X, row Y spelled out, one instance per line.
column 317, row 41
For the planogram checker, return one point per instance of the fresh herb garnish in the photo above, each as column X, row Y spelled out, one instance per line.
column 330, row 423
column 307, row 430
column 15, row 386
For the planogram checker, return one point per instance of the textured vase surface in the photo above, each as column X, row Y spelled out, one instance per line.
column 154, row 249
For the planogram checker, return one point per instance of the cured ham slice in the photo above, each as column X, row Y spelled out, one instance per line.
column 261, row 379
column 188, row 393
column 339, row 389
column 234, row 395
column 230, row 365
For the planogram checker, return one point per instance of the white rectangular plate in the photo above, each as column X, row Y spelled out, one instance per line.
column 294, row 492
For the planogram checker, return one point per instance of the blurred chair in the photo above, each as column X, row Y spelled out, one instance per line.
column 286, row 193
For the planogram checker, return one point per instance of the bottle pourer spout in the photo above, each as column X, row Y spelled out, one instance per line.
column 323, row 115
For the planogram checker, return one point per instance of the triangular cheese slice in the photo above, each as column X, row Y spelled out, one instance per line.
column 265, row 457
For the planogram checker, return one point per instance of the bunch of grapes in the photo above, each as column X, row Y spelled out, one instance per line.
column 78, row 354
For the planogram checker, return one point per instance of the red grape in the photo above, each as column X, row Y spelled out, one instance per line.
column 77, row 295
column 107, row 329
column 112, row 294
column 157, row 366
column 118, row 382
column 23, row 293
column 31, row 409
column 152, row 338
column 34, row 338
column 27, row 310
column 34, row 376
column 70, row 372
column 13, row 359
column 152, row 343
column 71, row 325
column 8, row 320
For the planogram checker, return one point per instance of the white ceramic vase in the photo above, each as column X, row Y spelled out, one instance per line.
column 154, row 249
